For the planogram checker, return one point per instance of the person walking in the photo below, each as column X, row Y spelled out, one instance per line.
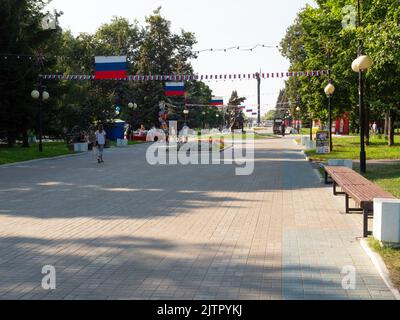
column 100, row 142
column 374, row 128
column 283, row 129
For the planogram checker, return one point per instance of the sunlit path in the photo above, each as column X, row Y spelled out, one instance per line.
column 129, row 230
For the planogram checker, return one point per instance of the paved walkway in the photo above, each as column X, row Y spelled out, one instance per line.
column 128, row 230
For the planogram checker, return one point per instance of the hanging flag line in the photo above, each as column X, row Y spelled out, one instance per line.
column 241, row 76
column 239, row 48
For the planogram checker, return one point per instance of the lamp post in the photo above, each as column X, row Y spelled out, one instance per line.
column 361, row 64
column 42, row 95
column 311, row 126
column 329, row 90
column 204, row 119
column 132, row 106
column 298, row 121
column 186, row 113
column 217, row 119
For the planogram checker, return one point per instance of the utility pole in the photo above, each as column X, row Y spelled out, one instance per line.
column 259, row 98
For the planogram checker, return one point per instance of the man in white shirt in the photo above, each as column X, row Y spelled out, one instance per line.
column 374, row 128
column 100, row 142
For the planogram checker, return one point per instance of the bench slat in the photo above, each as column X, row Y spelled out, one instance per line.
column 360, row 189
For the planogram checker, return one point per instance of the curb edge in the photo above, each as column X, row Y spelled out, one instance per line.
column 380, row 267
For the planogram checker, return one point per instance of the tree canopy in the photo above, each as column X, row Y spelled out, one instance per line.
column 325, row 30
column 151, row 48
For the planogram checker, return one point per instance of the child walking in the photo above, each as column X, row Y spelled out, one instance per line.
column 100, row 142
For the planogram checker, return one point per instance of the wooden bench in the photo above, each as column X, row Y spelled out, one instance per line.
column 355, row 186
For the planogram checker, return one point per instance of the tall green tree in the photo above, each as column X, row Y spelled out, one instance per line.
column 233, row 114
column 318, row 31
column 26, row 50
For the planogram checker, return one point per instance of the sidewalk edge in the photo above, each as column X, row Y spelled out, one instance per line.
column 380, row 267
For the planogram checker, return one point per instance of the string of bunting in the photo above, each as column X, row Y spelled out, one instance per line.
column 271, row 75
column 5, row 56
column 239, row 48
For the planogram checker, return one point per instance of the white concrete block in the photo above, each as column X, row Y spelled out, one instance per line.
column 122, row 143
column 387, row 220
column 310, row 145
column 341, row 162
column 305, row 140
column 81, row 147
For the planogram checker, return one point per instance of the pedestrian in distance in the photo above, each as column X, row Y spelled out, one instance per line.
column 374, row 128
column 100, row 142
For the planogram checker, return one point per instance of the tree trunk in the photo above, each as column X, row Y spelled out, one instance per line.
column 25, row 139
column 391, row 121
column 11, row 139
column 386, row 131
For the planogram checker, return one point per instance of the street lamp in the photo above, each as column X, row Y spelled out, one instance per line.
column 204, row 119
column 329, row 91
column 42, row 95
column 132, row 106
column 361, row 64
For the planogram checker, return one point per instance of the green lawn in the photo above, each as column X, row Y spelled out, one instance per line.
column 50, row 149
column 305, row 131
column 18, row 154
column 391, row 257
column 349, row 148
column 385, row 175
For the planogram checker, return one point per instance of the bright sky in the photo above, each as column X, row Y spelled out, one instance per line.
column 216, row 24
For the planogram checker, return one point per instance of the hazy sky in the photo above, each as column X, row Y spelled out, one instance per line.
column 216, row 24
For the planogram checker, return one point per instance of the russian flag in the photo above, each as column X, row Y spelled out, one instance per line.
column 110, row 67
column 217, row 101
column 174, row 89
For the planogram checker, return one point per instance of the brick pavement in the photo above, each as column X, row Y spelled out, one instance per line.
column 128, row 230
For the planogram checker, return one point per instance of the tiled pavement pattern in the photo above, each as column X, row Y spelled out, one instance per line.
column 127, row 230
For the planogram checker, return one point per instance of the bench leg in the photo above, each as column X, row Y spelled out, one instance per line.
column 326, row 178
column 365, row 223
column 334, row 189
column 347, row 204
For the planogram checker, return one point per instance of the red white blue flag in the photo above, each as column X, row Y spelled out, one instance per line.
column 217, row 101
column 110, row 67
column 174, row 89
